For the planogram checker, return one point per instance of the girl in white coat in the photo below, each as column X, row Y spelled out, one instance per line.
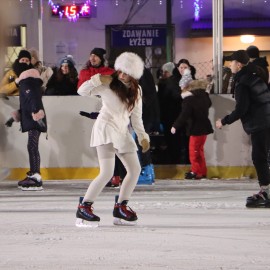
column 121, row 106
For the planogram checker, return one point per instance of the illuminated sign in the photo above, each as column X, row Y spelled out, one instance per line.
column 72, row 12
column 139, row 36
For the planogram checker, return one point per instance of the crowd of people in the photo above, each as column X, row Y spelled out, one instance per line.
column 133, row 109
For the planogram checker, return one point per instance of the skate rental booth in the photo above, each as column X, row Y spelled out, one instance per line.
column 66, row 153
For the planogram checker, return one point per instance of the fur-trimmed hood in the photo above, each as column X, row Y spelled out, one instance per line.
column 130, row 63
column 195, row 88
column 197, row 84
column 30, row 73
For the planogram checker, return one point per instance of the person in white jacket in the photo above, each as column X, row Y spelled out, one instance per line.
column 121, row 107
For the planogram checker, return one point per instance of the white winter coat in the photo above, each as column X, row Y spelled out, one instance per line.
column 113, row 121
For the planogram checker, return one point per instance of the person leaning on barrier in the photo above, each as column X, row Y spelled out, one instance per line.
column 45, row 72
column 64, row 80
column 8, row 85
column 95, row 65
column 253, row 109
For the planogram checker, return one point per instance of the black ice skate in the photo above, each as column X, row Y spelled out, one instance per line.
column 32, row 182
column 192, row 176
column 124, row 215
column 260, row 200
column 85, row 215
column 24, row 180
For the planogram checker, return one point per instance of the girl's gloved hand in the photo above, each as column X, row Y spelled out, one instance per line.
column 145, row 144
column 105, row 79
column 39, row 115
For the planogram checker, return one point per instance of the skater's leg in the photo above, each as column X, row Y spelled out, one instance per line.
column 106, row 157
column 203, row 168
column 33, row 180
column 260, row 145
column 85, row 215
column 123, row 214
column 32, row 147
column 133, row 168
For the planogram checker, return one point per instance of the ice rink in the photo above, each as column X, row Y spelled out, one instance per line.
column 200, row 225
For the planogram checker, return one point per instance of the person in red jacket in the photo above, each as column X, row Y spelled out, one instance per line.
column 94, row 65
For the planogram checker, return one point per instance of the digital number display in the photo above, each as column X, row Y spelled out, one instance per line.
column 71, row 11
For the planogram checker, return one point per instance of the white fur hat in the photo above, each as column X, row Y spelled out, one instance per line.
column 130, row 63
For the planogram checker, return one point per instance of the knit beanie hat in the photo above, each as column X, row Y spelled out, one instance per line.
column 68, row 59
column 24, row 54
column 99, row 52
column 253, row 52
column 168, row 67
column 130, row 63
column 186, row 79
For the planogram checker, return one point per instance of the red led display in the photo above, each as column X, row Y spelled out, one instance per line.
column 71, row 11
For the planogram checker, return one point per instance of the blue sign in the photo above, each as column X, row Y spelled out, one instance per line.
column 138, row 36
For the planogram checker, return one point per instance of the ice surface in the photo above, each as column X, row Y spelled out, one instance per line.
column 190, row 225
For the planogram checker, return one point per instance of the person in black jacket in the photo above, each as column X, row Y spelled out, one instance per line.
column 170, row 102
column 33, row 120
column 195, row 111
column 253, row 109
column 261, row 62
column 150, row 117
column 64, row 80
column 179, row 69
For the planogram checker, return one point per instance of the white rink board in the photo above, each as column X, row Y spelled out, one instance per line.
column 69, row 135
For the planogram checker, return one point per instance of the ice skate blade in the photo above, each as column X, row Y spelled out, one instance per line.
column 122, row 222
column 81, row 223
column 31, row 188
column 267, row 205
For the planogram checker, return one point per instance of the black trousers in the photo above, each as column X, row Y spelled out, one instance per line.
column 260, row 146
column 33, row 152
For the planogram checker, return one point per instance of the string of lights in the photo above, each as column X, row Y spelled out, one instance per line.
column 196, row 10
column 30, row 3
column 197, row 4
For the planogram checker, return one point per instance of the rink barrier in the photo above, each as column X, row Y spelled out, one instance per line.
column 66, row 153
column 161, row 172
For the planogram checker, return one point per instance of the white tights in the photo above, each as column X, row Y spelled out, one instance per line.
column 106, row 156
